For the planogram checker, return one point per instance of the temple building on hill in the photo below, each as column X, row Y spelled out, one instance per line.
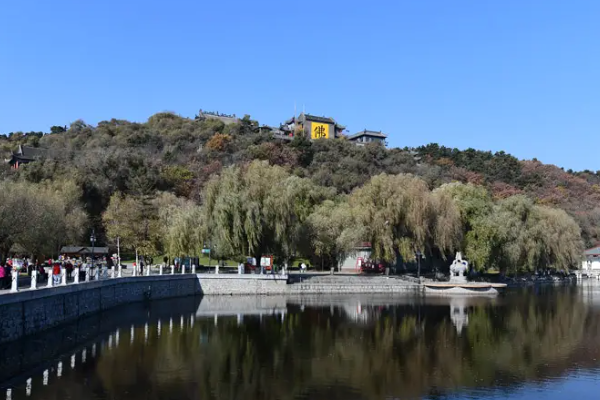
column 366, row 136
column 225, row 118
column 313, row 127
column 24, row 155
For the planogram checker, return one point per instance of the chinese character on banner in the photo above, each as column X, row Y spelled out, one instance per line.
column 320, row 131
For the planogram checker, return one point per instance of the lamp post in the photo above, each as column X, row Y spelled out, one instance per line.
column 93, row 241
column 418, row 254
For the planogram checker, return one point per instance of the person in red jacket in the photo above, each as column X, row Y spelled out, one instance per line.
column 56, row 273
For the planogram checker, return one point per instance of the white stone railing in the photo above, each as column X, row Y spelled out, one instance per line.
column 91, row 274
column 102, row 272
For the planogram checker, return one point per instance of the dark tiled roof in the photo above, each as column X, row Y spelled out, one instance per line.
column 83, row 250
column 29, row 153
column 314, row 118
column 71, row 249
column 594, row 251
column 368, row 133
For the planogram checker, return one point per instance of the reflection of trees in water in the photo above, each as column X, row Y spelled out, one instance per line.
column 408, row 350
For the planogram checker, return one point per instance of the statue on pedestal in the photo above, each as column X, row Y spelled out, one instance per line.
column 458, row 269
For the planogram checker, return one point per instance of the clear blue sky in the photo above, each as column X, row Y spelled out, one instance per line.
column 514, row 75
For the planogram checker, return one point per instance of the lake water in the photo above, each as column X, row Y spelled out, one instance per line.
column 525, row 344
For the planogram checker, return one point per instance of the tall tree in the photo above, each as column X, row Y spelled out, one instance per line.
column 135, row 221
column 401, row 216
column 258, row 210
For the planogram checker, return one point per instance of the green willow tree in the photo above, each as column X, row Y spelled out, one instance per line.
column 258, row 210
column 332, row 231
column 400, row 216
column 185, row 231
column 480, row 241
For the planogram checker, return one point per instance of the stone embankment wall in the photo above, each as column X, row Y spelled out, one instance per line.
column 31, row 311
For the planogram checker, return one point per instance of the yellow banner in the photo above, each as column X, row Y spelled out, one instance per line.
column 319, row 131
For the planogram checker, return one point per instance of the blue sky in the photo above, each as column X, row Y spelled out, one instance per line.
column 514, row 75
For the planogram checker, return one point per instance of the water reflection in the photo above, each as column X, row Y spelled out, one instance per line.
column 341, row 347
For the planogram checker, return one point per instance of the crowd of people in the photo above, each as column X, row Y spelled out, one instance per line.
column 47, row 268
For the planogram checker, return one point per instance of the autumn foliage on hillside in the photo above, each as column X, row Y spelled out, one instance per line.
column 172, row 154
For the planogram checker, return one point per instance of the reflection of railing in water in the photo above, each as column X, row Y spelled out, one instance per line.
column 57, row 367
column 44, row 373
column 27, row 358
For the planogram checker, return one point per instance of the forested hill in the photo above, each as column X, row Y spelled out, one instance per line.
column 175, row 154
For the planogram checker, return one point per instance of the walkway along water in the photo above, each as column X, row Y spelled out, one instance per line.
column 26, row 312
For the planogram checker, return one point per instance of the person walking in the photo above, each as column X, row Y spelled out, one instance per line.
column 2, row 277
column 56, row 274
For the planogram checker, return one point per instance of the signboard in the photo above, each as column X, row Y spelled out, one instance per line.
column 319, row 131
column 205, row 251
column 265, row 261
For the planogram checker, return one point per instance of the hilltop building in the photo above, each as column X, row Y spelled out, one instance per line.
column 366, row 136
column 225, row 118
column 313, row 126
column 24, row 155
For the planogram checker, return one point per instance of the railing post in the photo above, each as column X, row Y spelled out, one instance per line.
column 87, row 273
column 217, row 269
column 182, row 269
column 135, row 270
column 120, row 272
column 50, row 278
column 112, row 272
column 15, row 281
column 63, row 276
column 160, row 269
column 34, row 279
column 172, row 270
column 97, row 273
column 148, row 270
column 76, row 277
column 193, row 268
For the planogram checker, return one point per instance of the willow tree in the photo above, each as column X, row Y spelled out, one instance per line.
column 480, row 240
column 554, row 239
column 258, row 210
column 185, row 231
column 535, row 236
column 333, row 231
column 400, row 216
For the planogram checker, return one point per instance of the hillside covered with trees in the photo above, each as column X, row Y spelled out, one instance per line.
column 172, row 184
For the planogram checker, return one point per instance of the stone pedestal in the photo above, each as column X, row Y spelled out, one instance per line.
column 183, row 269
column 120, row 272
column 76, row 277
column 160, row 269
column 34, row 274
column 193, row 268
column 14, row 287
column 63, row 276
column 172, row 270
